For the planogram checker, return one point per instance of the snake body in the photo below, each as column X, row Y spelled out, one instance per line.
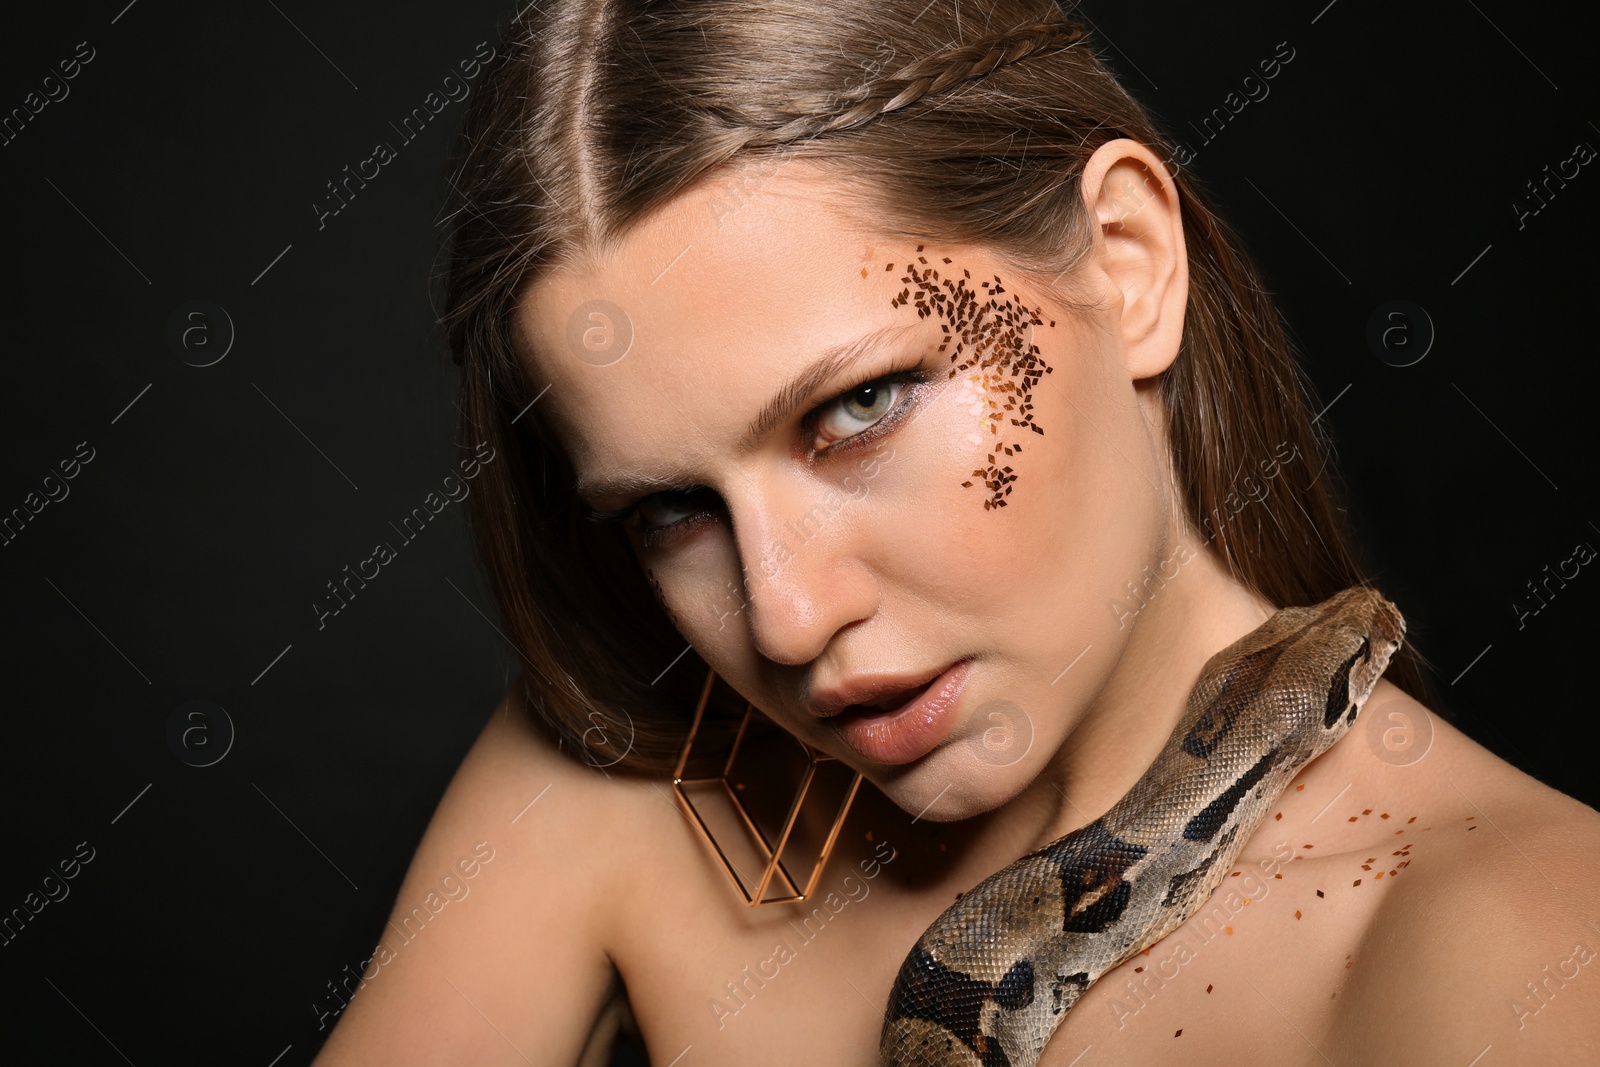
column 990, row 980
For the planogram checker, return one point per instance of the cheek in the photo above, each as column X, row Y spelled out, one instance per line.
column 1096, row 516
column 1080, row 523
column 691, row 601
column 976, row 399
column 700, row 609
column 970, row 437
column 661, row 598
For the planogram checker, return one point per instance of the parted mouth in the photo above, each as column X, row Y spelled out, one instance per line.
column 901, row 720
column 871, row 694
column 889, row 702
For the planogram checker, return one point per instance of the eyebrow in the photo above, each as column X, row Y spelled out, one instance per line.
column 793, row 394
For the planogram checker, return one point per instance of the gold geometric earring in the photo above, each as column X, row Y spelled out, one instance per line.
column 744, row 844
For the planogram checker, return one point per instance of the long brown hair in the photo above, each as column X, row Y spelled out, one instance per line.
column 958, row 123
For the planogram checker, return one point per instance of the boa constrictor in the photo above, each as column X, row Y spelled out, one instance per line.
column 988, row 982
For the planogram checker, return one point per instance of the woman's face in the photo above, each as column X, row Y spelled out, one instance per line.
column 826, row 512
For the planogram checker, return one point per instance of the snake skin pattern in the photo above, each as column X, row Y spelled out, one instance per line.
column 990, row 980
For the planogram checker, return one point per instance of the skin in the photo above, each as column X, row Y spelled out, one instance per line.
column 603, row 879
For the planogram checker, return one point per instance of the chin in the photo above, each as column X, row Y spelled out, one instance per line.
column 950, row 785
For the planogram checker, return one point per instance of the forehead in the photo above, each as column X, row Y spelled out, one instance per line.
column 682, row 332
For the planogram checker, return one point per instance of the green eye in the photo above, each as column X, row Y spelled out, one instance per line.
column 876, row 402
column 859, row 409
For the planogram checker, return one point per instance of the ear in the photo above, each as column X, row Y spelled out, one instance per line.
column 1138, row 246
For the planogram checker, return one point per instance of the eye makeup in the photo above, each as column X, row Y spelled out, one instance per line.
column 994, row 333
column 653, row 534
column 898, row 408
column 983, row 329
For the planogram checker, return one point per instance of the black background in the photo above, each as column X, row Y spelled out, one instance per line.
column 1383, row 165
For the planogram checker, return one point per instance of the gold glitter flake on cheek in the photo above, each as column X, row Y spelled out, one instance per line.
column 983, row 331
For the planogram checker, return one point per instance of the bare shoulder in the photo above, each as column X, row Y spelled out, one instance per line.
column 1489, row 938
column 497, row 941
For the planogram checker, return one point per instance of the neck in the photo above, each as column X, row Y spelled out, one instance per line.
column 1130, row 719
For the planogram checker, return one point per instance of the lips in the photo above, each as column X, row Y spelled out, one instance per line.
column 889, row 702
column 905, row 723
column 882, row 691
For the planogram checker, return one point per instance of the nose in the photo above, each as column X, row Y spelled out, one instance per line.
column 798, row 539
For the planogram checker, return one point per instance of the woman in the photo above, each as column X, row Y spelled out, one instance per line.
column 711, row 263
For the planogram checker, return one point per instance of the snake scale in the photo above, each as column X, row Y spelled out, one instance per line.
column 990, row 980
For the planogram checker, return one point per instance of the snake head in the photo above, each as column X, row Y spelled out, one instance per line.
column 1363, row 632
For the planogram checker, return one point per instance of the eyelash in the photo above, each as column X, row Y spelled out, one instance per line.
column 628, row 515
